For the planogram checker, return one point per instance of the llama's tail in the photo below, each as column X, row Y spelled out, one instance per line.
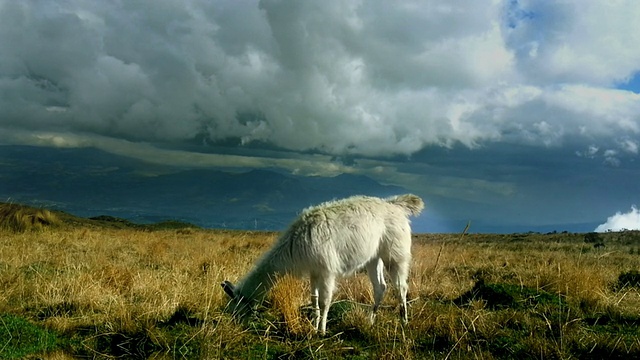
column 412, row 203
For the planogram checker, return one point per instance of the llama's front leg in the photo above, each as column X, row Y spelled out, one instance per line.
column 325, row 294
column 314, row 301
column 375, row 270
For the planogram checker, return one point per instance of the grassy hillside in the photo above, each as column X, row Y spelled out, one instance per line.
column 89, row 288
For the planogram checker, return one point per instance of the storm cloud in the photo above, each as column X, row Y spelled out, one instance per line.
column 367, row 79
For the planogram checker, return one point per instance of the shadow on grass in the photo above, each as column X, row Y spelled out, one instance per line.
column 548, row 324
column 503, row 296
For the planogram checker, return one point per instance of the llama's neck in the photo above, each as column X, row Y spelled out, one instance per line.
column 261, row 279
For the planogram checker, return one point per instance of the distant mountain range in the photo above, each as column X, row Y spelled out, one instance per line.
column 89, row 182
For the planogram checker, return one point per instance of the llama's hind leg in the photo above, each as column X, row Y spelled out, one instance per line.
column 399, row 272
column 325, row 294
column 375, row 270
column 315, row 283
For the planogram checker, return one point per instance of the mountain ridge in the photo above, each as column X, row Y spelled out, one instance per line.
column 89, row 182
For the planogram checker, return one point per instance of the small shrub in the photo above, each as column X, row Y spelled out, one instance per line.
column 592, row 237
column 180, row 226
column 111, row 219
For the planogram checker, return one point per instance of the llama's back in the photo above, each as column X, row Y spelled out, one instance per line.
column 342, row 236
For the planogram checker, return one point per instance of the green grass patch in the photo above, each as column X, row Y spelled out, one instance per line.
column 19, row 338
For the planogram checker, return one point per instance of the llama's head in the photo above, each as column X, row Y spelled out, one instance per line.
column 239, row 305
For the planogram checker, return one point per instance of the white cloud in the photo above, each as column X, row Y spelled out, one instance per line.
column 590, row 152
column 629, row 146
column 573, row 41
column 600, row 111
column 620, row 221
column 365, row 78
column 611, row 158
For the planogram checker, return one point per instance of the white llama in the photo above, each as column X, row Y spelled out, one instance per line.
column 334, row 239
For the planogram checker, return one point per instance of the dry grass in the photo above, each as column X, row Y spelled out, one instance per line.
column 139, row 293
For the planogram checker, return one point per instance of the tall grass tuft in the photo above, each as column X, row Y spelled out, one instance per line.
column 286, row 299
column 20, row 218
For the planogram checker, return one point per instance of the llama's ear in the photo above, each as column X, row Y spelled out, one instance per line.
column 228, row 288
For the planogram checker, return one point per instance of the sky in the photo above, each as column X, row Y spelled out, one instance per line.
column 505, row 112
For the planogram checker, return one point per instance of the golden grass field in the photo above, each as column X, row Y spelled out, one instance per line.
column 106, row 291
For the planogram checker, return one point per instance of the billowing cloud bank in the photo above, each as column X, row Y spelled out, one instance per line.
column 370, row 78
column 620, row 221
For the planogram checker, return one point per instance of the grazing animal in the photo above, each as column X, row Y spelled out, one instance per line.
column 336, row 239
